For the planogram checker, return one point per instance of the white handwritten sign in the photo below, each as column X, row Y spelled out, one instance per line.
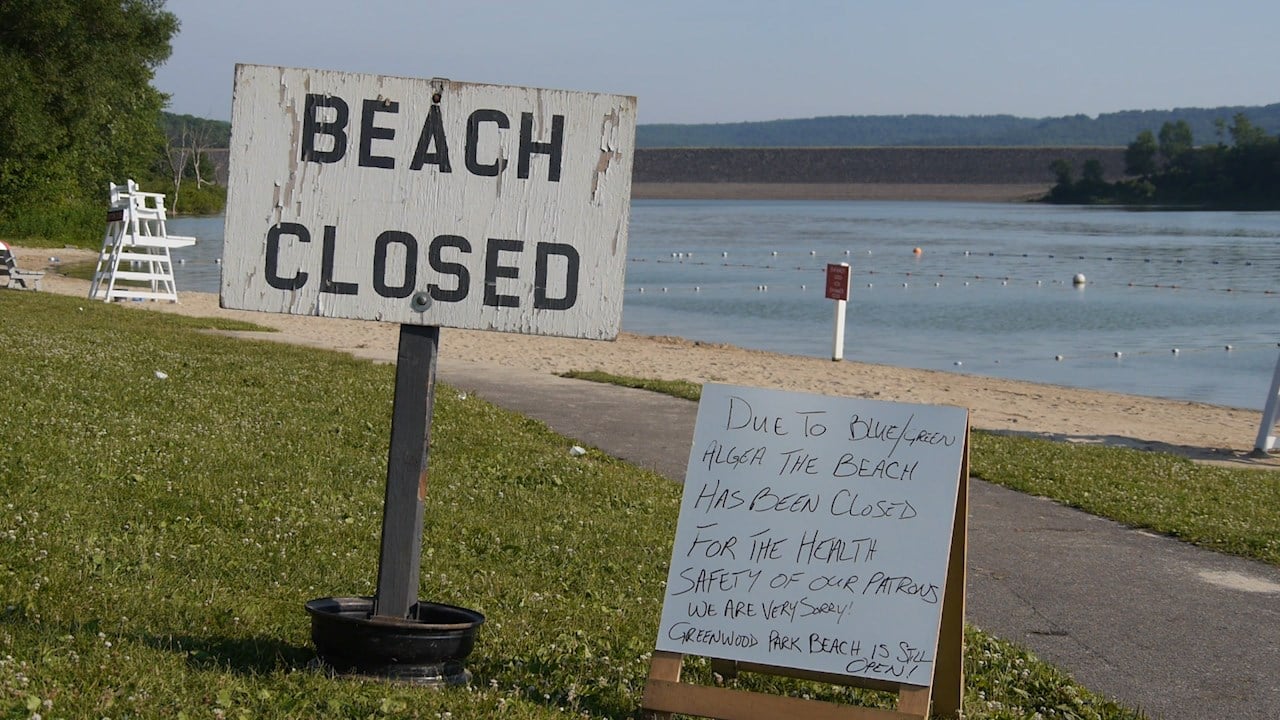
column 814, row 533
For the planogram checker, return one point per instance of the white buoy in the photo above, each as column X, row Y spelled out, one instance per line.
column 697, row 288
column 1228, row 348
column 1175, row 351
column 1119, row 354
column 775, row 253
column 1058, row 358
column 813, row 252
column 724, row 254
column 1079, row 280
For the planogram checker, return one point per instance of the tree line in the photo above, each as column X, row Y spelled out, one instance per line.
column 1169, row 168
column 1108, row 129
column 78, row 111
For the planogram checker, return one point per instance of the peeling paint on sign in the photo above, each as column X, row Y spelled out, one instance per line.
column 428, row 202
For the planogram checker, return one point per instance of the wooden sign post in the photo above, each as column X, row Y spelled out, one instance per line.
column 820, row 538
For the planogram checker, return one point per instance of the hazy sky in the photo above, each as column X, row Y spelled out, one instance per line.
column 694, row 61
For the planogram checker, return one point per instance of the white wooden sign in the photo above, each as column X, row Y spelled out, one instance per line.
column 815, row 533
column 428, row 202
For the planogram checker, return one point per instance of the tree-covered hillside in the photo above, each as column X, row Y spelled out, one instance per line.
column 1171, row 167
column 1111, row 129
column 77, row 108
column 217, row 133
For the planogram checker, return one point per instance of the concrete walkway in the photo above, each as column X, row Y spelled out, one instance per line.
column 1178, row 632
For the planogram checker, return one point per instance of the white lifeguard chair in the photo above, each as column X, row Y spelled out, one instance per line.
column 136, row 235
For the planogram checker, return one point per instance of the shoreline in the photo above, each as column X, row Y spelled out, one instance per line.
column 1195, row 430
column 906, row 192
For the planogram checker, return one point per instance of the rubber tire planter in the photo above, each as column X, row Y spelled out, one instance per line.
column 426, row 648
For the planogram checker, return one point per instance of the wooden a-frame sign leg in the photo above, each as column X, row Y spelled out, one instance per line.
column 664, row 694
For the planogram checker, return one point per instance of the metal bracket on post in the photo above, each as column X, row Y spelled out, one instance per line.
column 401, row 555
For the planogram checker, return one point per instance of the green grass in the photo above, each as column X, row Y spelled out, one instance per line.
column 159, row 536
column 79, row 270
column 1230, row 510
column 76, row 223
column 676, row 388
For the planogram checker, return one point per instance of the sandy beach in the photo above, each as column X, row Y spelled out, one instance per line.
column 1203, row 432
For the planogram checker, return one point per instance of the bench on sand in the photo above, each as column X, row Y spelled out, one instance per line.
column 15, row 277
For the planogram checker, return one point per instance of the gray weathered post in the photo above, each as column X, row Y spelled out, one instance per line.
column 400, row 557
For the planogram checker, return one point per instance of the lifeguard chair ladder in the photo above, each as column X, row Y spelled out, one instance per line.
column 136, row 235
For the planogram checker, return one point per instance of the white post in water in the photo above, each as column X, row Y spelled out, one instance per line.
column 838, row 290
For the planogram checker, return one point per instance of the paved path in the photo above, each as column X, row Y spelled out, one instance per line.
column 1176, row 631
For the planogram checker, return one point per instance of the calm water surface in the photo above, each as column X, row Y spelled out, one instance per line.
column 989, row 293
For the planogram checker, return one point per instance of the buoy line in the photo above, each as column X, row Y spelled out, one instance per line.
column 1093, row 354
column 1005, row 279
column 915, row 254
column 1109, row 258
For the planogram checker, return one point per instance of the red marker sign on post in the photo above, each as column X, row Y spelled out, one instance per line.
column 838, row 281
column 838, row 290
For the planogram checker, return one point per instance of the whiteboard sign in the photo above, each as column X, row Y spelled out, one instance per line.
column 428, row 202
column 814, row 533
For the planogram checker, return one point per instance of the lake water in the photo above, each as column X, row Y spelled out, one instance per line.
column 989, row 293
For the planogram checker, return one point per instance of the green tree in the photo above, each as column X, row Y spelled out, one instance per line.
column 1062, row 172
column 1064, row 190
column 1092, row 172
column 77, row 109
column 1140, row 155
column 1244, row 133
column 1175, row 141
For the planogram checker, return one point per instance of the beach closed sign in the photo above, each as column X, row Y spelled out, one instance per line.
column 815, row 533
column 428, row 202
